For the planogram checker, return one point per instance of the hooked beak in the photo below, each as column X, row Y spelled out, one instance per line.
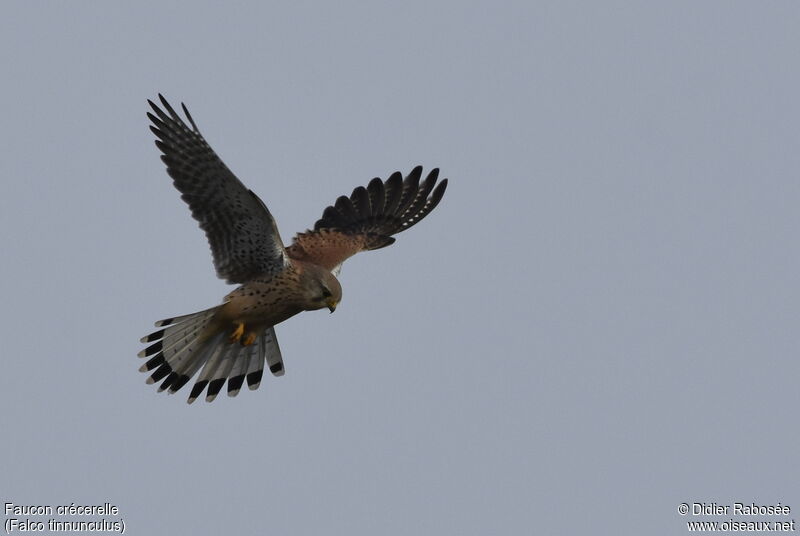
column 331, row 305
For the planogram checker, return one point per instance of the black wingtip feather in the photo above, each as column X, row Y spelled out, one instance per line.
column 393, row 191
column 163, row 147
column 419, row 197
column 377, row 196
column 427, row 207
column 189, row 117
column 330, row 218
column 361, row 203
column 345, row 207
column 159, row 112
column 153, row 106
column 410, row 187
column 385, row 208
column 438, row 193
column 156, row 121
column 168, row 107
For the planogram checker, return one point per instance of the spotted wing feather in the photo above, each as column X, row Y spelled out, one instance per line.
column 242, row 233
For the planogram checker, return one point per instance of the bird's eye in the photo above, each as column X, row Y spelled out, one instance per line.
column 326, row 293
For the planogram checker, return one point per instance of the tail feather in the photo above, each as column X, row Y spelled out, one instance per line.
column 212, row 364
column 255, row 365
column 179, row 343
column 177, row 319
column 236, row 378
column 190, row 366
column 180, row 357
column 220, row 375
column 184, row 347
column 214, row 349
column 175, row 337
column 273, row 351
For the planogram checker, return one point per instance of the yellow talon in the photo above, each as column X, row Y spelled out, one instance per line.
column 237, row 333
column 249, row 339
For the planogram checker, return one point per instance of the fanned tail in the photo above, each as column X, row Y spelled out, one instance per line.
column 187, row 344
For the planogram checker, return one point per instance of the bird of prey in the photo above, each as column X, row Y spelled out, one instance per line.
column 232, row 341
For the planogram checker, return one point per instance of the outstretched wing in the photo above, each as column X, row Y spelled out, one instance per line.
column 368, row 218
column 242, row 233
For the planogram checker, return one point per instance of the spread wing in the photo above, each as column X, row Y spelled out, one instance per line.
column 242, row 233
column 368, row 218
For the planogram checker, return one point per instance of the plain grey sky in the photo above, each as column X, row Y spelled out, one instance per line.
column 599, row 322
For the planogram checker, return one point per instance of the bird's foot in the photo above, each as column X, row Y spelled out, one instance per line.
column 249, row 339
column 237, row 333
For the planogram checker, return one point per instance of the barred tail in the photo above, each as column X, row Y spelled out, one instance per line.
column 188, row 343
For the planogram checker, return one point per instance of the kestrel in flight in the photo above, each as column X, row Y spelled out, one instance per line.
column 233, row 340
